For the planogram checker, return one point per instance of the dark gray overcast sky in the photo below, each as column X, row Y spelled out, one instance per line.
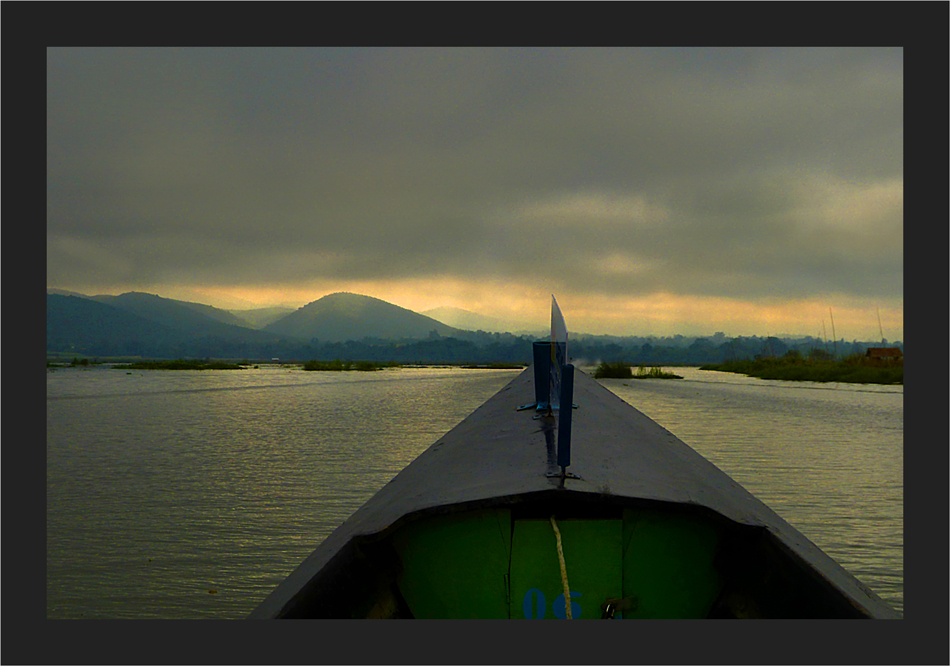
column 651, row 190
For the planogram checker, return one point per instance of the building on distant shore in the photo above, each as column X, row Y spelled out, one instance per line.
column 885, row 353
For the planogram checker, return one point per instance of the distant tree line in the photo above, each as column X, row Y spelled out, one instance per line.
column 477, row 347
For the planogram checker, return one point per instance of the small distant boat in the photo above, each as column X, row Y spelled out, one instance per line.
column 489, row 522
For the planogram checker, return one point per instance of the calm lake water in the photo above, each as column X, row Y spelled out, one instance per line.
column 192, row 494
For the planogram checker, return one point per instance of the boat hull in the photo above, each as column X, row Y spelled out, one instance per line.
column 647, row 528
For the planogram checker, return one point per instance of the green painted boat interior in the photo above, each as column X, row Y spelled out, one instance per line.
column 621, row 562
column 486, row 564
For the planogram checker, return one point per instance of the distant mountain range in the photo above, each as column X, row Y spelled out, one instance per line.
column 355, row 327
column 140, row 324
column 137, row 322
column 180, row 315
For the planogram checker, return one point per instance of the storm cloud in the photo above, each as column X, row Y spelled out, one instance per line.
column 754, row 175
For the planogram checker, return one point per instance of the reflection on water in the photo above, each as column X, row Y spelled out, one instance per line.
column 192, row 494
column 164, row 486
column 826, row 457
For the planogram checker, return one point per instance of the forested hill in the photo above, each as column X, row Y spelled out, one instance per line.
column 342, row 316
column 141, row 325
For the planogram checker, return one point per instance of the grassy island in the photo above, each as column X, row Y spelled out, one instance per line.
column 654, row 373
column 623, row 371
column 793, row 367
column 613, row 371
column 180, row 364
column 76, row 363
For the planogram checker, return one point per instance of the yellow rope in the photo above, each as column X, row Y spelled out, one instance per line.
column 560, row 556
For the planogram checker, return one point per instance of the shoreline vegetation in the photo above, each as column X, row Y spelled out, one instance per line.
column 179, row 364
column 336, row 365
column 369, row 366
column 855, row 369
column 622, row 370
column 345, row 366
